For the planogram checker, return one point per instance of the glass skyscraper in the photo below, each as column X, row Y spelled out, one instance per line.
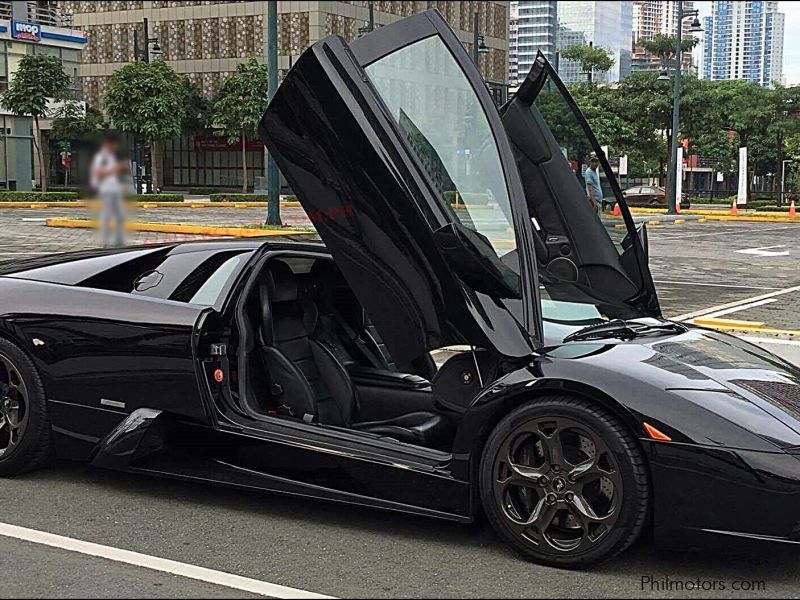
column 744, row 40
column 605, row 24
column 533, row 28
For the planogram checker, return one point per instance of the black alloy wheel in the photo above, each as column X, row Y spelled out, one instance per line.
column 564, row 482
column 24, row 423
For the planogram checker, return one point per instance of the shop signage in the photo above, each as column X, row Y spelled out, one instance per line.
column 29, row 32
column 212, row 143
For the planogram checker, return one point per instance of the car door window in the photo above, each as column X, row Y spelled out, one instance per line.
column 438, row 113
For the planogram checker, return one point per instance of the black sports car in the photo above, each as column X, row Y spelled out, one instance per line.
column 469, row 337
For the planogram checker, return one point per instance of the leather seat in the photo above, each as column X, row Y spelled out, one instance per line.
column 307, row 380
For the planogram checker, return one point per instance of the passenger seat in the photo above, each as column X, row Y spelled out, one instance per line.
column 308, row 381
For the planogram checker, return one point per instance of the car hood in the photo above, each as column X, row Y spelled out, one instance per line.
column 678, row 379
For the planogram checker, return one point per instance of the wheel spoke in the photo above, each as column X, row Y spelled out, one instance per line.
column 541, row 517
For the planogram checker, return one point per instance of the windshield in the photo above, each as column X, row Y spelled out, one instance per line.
column 438, row 112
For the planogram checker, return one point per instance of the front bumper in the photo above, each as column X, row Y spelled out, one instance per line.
column 703, row 495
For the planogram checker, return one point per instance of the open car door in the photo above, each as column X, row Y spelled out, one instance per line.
column 581, row 260
column 400, row 159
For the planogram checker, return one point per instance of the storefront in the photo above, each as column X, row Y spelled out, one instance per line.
column 17, row 40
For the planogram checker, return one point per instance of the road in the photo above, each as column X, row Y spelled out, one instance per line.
column 350, row 552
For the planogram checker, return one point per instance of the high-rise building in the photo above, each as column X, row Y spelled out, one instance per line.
column 605, row 24
column 205, row 41
column 533, row 29
column 744, row 40
column 653, row 17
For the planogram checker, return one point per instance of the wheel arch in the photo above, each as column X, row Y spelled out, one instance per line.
column 520, row 394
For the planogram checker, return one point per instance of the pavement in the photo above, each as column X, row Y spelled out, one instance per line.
column 744, row 270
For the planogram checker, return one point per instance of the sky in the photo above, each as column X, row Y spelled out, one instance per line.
column 791, row 47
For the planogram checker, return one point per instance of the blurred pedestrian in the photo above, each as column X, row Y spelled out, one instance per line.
column 593, row 188
column 107, row 181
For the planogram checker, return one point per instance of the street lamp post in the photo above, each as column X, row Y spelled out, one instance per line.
column 273, row 178
column 676, row 106
column 478, row 43
column 144, row 55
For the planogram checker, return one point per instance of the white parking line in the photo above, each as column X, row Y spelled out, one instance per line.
column 739, row 308
column 721, row 285
column 172, row 567
column 766, row 340
column 712, row 309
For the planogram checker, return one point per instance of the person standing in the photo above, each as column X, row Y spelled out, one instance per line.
column 593, row 189
column 106, row 180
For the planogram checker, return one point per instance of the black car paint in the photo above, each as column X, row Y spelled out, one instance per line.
column 733, row 448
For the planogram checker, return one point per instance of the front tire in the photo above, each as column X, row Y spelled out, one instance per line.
column 25, row 434
column 564, row 482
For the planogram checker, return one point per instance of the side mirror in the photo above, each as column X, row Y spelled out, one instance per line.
column 475, row 261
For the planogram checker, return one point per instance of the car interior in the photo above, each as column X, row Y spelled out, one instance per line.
column 309, row 353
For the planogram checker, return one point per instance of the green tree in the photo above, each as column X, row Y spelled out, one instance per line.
column 240, row 104
column 198, row 109
column 591, row 58
column 38, row 79
column 663, row 45
column 148, row 100
column 71, row 123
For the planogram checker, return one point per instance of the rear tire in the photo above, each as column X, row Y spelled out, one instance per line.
column 564, row 482
column 25, row 433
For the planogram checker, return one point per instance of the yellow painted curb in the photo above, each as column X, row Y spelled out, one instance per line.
column 732, row 323
column 754, row 219
column 211, row 230
column 620, row 226
column 679, row 221
column 654, row 223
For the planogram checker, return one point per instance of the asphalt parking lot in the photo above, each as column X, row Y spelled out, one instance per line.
column 744, row 270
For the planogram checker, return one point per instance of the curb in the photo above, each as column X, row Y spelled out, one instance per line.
column 210, row 230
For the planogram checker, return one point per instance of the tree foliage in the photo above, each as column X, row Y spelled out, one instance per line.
column 241, row 102
column 39, row 78
column 148, row 100
column 72, row 123
column 634, row 117
column 591, row 58
column 663, row 45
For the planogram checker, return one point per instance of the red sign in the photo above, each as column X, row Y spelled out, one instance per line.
column 213, row 143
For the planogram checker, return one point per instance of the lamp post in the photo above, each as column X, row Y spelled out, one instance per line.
column 478, row 43
column 676, row 106
column 273, row 179
column 145, row 54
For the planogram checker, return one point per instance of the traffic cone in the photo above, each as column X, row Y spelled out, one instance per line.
column 792, row 210
column 734, row 208
column 617, row 212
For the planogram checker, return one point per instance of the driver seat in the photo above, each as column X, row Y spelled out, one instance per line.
column 306, row 378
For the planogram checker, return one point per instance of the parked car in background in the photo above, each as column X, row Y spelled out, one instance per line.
column 645, row 195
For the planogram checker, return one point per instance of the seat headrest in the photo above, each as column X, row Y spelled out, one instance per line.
column 284, row 287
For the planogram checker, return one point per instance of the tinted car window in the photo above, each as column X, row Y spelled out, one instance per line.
column 440, row 116
column 213, row 288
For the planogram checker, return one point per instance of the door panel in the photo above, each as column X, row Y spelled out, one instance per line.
column 544, row 123
column 380, row 190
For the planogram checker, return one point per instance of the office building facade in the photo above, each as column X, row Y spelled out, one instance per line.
column 604, row 24
column 744, row 40
column 533, row 28
column 206, row 40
